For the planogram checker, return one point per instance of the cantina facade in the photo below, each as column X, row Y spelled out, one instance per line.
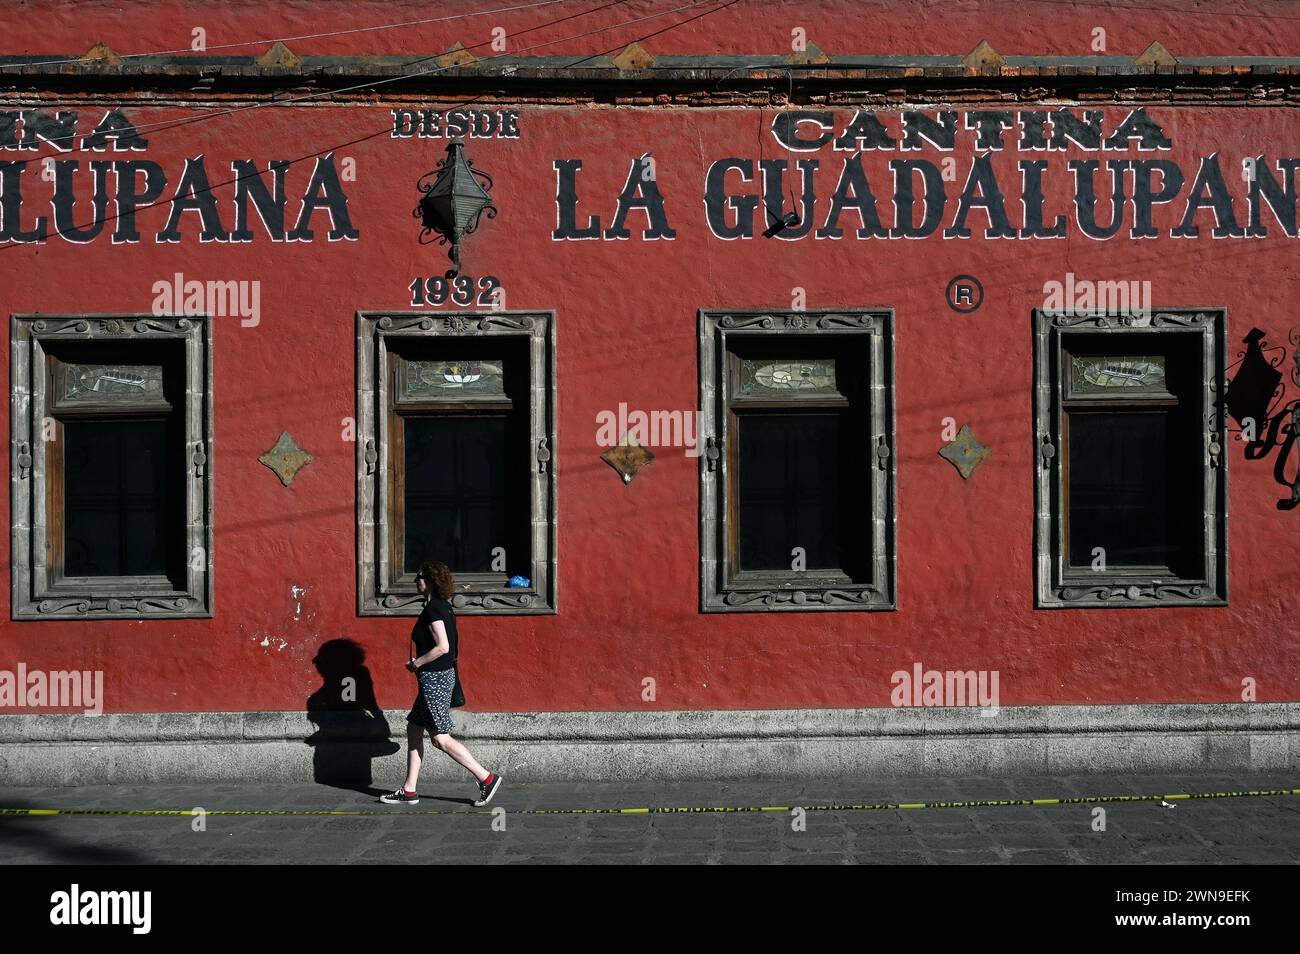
column 788, row 390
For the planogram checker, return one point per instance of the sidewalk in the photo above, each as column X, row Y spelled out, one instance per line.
column 1205, row 831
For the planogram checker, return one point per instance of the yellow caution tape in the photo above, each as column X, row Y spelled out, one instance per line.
column 659, row 810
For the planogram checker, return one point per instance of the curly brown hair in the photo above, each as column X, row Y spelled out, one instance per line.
column 439, row 578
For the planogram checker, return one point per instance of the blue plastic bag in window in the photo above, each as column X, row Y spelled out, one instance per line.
column 520, row 581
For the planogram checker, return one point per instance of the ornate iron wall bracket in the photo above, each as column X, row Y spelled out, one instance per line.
column 1295, row 429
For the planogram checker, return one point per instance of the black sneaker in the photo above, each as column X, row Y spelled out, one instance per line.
column 485, row 792
column 400, row 797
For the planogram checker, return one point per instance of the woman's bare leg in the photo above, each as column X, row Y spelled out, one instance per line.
column 461, row 754
column 414, row 753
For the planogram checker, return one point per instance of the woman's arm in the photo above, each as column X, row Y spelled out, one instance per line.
column 440, row 645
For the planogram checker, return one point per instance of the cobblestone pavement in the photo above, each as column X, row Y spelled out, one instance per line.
column 1207, row 831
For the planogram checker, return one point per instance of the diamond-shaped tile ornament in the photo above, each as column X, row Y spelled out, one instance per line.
column 810, row 55
column 101, row 52
column 457, row 55
column 1156, row 55
column 286, row 458
column 965, row 452
column 627, row 458
column 634, row 57
column 279, row 55
column 983, row 57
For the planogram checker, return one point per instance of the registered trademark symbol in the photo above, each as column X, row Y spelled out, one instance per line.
column 964, row 294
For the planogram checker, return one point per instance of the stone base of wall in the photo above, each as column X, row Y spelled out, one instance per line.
column 352, row 747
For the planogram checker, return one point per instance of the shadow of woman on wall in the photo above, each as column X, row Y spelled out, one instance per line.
column 351, row 729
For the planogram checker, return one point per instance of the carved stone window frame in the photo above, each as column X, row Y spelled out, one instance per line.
column 1116, row 588
column 34, row 596
column 719, row 594
column 377, row 594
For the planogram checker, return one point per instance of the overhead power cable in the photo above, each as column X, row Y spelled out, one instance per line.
column 387, row 128
column 303, row 36
column 165, row 124
column 1149, row 10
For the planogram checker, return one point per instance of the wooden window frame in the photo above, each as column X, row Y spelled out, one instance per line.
column 383, row 588
column 723, row 588
column 398, row 413
column 39, row 588
column 1202, row 331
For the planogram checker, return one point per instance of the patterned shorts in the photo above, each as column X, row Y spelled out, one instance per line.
column 432, row 707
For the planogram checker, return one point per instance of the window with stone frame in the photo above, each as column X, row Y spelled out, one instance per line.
column 455, row 430
column 797, row 477
column 112, row 484
column 1131, row 474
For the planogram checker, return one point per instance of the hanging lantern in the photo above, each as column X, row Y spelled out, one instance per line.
column 453, row 202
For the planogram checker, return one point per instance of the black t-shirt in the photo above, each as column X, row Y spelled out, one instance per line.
column 422, row 634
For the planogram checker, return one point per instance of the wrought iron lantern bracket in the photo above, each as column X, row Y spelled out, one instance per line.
column 454, row 197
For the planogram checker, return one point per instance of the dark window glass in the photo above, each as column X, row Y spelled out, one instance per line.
column 1133, row 476
column 456, row 501
column 792, row 490
column 1119, row 483
column 115, row 497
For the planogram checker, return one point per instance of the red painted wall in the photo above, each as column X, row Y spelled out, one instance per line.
column 626, row 332
column 1023, row 27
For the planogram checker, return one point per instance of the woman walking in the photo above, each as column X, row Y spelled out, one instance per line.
column 434, row 665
